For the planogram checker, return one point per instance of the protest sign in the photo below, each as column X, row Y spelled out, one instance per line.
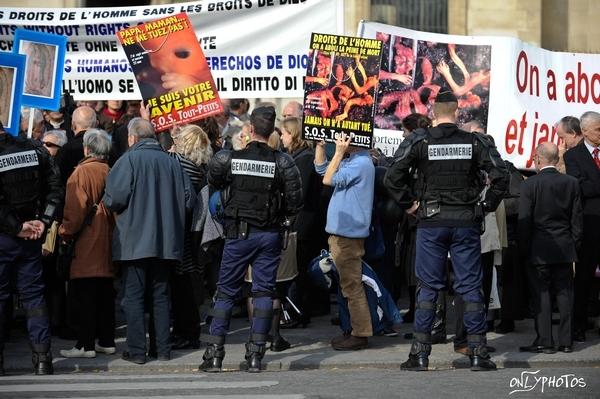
column 340, row 88
column 255, row 48
column 171, row 71
column 12, row 67
column 513, row 91
column 45, row 57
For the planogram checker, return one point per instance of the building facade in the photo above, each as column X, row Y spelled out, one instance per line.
column 559, row 25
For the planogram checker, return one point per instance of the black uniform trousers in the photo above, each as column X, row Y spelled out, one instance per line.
column 544, row 280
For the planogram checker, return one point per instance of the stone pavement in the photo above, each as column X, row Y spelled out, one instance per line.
column 311, row 350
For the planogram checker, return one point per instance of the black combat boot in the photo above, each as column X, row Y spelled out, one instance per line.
column 42, row 359
column 480, row 359
column 254, row 355
column 418, row 359
column 212, row 360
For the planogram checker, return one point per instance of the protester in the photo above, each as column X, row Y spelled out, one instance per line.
column 408, row 225
column 238, row 111
column 353, row 180
column 307, row 226
column 30, row 196
column 256, row 177
column 38, row 127
column 568, row 131
column 193, row 152
column 293, row 109
column 275, row 140
column 550, row 232
column 150, row 193
column 55, row 290
column 119, row 134
column 54, row 120
column 90, row 225
column 84, row 118
column 54, row 140
column 110, row 115
column 512, row 275
column 211, row 128
column 583, row 162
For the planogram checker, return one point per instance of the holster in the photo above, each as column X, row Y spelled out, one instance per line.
column 430, row 209
column 237, row 231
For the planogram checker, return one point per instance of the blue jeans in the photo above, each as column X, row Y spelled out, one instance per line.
column 23, row 259
column 135, row 275
column 464, row 246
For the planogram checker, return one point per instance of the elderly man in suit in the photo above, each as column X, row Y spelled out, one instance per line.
column 550, row 223
column 583, row 163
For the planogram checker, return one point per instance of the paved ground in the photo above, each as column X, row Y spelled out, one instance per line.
column 331, row 383
column 311, row 350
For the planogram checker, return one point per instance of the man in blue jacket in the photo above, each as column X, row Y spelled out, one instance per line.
column 150, row 193
column 348, row 221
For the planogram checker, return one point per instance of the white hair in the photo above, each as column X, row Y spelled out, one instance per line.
column 98, row 143
column 141, row 128
column 588, row 118
column 61, row 135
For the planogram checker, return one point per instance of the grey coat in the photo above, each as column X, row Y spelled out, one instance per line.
column 150, row 193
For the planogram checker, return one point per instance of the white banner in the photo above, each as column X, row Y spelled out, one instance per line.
column 516, row 92
column 255, row 48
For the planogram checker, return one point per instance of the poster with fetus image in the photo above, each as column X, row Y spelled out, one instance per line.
column 171, row 71
column 341, row 88
column 413, row 72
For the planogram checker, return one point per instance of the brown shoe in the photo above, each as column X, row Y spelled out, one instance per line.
column 351, row 343
column 340, row 338
column 463, row 350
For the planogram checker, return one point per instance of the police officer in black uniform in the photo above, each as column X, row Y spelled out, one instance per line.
column 261, row 188
column 30, row 194
column 450, row 211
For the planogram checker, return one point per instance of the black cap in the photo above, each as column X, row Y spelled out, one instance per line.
column 445, row 95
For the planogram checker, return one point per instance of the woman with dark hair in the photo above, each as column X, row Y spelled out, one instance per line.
column 414, row 121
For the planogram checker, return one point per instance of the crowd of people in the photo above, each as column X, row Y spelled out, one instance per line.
column 231, row 210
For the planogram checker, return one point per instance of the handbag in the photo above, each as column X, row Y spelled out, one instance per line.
column 50, row 243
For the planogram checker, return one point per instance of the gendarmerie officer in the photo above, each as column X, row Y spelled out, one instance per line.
column 450, row 211
column 261, row 187
column 30, row 194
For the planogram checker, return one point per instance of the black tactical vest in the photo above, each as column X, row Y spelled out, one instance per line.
column 20, row 184
column 448, row 171
column 254, row 195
